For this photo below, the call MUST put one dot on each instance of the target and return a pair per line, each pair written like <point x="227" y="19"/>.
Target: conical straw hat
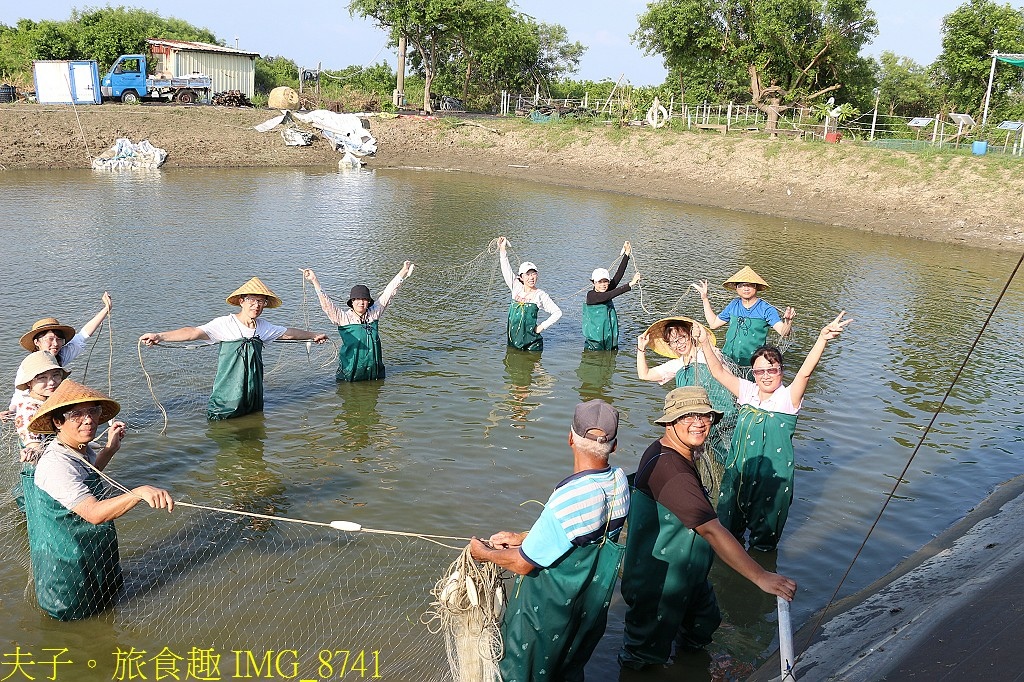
<point x="35" y="364"/>
<point x="71" y="393"/>
<point x="657" y="333"/>
<point x="745" y="275"/>
<point x="42" y="326"/>
<point x="257" y="288"/>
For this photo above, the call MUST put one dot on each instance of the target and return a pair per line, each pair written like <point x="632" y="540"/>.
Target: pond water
<point x="463" y="433"/>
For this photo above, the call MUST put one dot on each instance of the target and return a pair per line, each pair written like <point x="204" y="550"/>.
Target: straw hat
<point x="687" y="400"/>
<point x="67" y="394"/>
<point x="257" y="288"/>
<point x="35" y="364"/>
<point x="657" y="334"/>
<point x="745" y="275"/>
<point x="41" y="327"/>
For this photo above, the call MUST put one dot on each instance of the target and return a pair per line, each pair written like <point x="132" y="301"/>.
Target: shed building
<point x="228" y="68"/>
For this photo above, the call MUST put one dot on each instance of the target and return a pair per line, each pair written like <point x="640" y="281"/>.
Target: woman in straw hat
<point x="757" y="488"/>
<point x="523" y="330"/>
<point x="359" y="357"/>
<point x="748" y="316"/>
<point x="673" y="537"/>
<point x="238" y="386"/>
<point x="70" y="509"/>
<point x="38" y="377"/>
<point x="600" y="323"/>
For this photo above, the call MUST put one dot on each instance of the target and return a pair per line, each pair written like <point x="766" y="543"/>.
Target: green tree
<point x="904" y="87"/>
<point x="272" y="72"/>
<point x="785" y="50"/>
<point x="969" y="36"/>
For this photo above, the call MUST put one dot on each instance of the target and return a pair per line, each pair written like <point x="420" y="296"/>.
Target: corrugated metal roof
<point x="200" y="47"/>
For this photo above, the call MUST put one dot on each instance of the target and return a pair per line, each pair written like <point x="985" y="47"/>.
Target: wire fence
<point x="874" y="128"/>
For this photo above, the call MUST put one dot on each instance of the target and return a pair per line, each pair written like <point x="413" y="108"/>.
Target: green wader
<point x="757" y="488"/>
<point x="359" y="358"/>
<point x="600" y="326"/>
<point x="744" y="336"/>
<point x="557" y="615"/>
<point x="75" y="564"/>
<point x="665" y="585"/>
<point x="522" y="326"/>
<point x="238" y="388"/>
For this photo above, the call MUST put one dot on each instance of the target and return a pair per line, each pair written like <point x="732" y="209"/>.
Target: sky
<point x="322" y="32"/>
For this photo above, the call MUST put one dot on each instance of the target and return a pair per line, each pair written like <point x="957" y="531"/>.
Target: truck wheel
<point x="130" y="97"/>
<point x="186" y="97"/>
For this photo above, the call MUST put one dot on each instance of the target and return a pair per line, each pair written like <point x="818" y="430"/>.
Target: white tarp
<point x="343" y="131"/>
<point x="127" y="156"/>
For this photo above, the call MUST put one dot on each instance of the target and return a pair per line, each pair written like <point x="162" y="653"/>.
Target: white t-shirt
<point x="228" y="328"/>
<point x="667" y="371"/>
<point x="779" y="401"/>
<point x="61" y="473"/>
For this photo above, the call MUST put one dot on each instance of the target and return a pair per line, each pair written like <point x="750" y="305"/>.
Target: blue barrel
<point x="979" y="147"/>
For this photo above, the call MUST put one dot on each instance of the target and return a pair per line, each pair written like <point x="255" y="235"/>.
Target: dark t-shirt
<point x="671" y="479"/>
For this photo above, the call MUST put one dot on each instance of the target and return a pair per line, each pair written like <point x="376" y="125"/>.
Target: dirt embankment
<point x="964" y="199"/>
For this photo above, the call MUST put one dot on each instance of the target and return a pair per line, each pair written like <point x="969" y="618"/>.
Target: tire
<point x="130" y="97"/>
<point x="186" y="97"/>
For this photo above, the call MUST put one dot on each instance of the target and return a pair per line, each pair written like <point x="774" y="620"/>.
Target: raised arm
<point x="620" y="271"/>
<point x="642" y="370"/>
<point x="803" y="375"/>
<point x="183" y="334"/>
<point x="732" y="553"/>
<point x="715" y="366"/>
<point x="714" y="322"/>
<point x="333" y="311"/>
<point x="392" y="288"/>
<point x="90" y="327"/>
<point x="785" y="325"/>
<point x="506" y="269"/>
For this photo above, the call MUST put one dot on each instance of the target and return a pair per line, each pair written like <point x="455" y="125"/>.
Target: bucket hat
<point x="35" y="364"/>
<point x="526" y="266"/>
<point x="599" y="274"/>
<point x="596" y="415"/>
<point x="359" y="291"/>
<point x="686" y="400"/>
<point x="67" y="394"/>
<point x="745" y="275"/>
<point x="257" y="288"/>
<point x="657" y="334"/>
<point x="41" y="327"/>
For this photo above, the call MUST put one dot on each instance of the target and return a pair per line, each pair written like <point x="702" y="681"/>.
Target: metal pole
<point x="988" y="93"/>
<point x="398" y="98"/>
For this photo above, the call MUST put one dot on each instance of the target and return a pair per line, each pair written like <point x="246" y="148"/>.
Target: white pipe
<point x="785" y="641"/>
<point x="988" y="93"/>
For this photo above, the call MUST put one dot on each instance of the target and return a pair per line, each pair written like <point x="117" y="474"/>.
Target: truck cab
<point x="126" y="80"/>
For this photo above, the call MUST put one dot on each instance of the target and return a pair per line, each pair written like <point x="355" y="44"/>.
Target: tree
<point x="969" y="36"/>
<point x="904" y="86"/>
<point x="786" y="50"/>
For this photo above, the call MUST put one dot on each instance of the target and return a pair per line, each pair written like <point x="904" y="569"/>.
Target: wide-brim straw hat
<point x="35" y="364"/>
<point x="687" y="400"/>
<point x="254" y="287"/>
<point x="656" y="332"/>
<point x="67" y="394"/>
<point x="745" y="275"/>
<point x="41" y="327"/>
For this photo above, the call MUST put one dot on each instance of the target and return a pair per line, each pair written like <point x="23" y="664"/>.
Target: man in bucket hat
<point x="238" y="387"/>
<point x="748" y="316"/>
<point x="70" y="510"/>
<point x="567" y="563"/>
<point x="360" y="357"/>
<point x="672" y="532"/>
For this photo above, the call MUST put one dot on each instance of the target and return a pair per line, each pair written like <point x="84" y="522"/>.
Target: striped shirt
<point x="577" y="514"/>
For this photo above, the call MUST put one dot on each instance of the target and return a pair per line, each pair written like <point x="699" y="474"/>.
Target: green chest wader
<point x="522" y="326"/>
<point x="238" y="388"/>
<point x="75" y="564"/>
<point x="744" y="336"/>
<point x="664" y="584"/>
<point x="600" y="326"/>
<point x="757" y="488"/>
<point x="557" y="615"/>
<point x="359" y="358"/>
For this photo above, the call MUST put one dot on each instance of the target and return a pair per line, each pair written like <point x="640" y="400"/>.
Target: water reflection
<point x="595" y="374"/>
<point x="358" y="418"/>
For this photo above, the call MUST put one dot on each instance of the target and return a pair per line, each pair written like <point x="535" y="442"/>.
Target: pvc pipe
<point x="786" y="658"/>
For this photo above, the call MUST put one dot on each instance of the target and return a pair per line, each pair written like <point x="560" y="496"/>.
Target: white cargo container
<point x="66" y="82"/>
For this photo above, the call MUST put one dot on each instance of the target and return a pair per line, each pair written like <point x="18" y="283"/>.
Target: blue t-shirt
<point x="760" y="310"/>
<point x="577" y="514"/>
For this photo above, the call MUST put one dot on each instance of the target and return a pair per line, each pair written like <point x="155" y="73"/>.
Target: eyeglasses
<point x="746" y="284"/>
<point x="688" y="419"/>
<point x="255" y="301"/>
<point x="79" y="415"/>
<point x="772" y="371"/>
<point x="680" y="340"/>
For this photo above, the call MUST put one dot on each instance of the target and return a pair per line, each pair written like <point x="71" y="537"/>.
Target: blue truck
<point x="127" y="81"/>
